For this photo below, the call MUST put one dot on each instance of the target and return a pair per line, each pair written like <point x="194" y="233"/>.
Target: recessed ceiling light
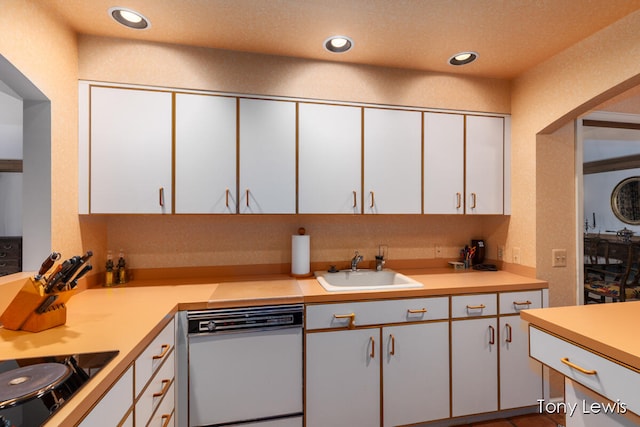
<point x="129" y="18"/>
<point x="463" y="58"/>
<point x="338" y="44"/>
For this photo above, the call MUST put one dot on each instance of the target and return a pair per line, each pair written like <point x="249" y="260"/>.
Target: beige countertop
<point x="126" y="318"/>
<point x="603" y="328"/>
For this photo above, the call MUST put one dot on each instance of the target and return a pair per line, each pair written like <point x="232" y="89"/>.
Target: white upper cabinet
<point x="443" y="163"/>
<point x="205" y="154"/>
<point x="330" y="159"/>
<point x="131" y="142"/>
<point x="267" y="156"/>
<point x="392" y="161"/>
<point x="485" y="165"/>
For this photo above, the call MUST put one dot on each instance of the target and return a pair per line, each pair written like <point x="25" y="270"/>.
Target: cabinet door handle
<point x="165" y="348"/>
<point x="508" y="338"/>
<point x="417" y="311"/>
<point x="165" y="419"/>
<point x="165" y="388"/>
<point x="473" y="200"/>
<point x="226" y="198"/>
<point x="161" y="196"/>
<point x="247" y="197"/>
<point x="373" y="348"/>
<point x="350" y="316"/>
<point x="459" y="200"/>
<point x="393" y="345"/>
<point x="492" y="335"/>
<point x="572" y="365"/>
<point x="373" y="199"/>
<point x="355" y="199"/>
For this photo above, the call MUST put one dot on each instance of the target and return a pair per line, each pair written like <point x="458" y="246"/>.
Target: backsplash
<point x="198" y="240"/>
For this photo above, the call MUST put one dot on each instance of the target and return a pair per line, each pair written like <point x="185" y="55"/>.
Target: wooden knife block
<point x="22" y="313"/>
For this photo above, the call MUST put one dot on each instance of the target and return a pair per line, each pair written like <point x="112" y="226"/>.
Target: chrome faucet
<point x="355" y="260"/>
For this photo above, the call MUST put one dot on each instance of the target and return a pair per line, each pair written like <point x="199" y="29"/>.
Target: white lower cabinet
<point x="415" y="382"/>
<point x="474" y="366"/>
<point x="343" y="378"/>
<point x="114" y="405"/>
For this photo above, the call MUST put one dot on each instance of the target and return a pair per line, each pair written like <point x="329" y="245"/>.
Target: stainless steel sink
<point x="361" y="280"/>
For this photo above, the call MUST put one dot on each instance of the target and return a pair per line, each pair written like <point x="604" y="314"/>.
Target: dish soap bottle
<point x="109" y="273"/>
<point x="122" y="270"/>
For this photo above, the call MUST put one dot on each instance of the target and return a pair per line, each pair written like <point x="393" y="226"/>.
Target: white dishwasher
<point x="245" y="366"/>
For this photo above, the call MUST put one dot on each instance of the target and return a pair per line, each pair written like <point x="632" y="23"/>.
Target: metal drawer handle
<point x="565" y="360"/>
<point x="166" y="418"/>
<point x="476" y="307"/>
<point x="3" y="254"/>
<point x="8" y="246"/>
<point x="165" y="388"/>
<point x="165" y="348"/>
<point x="417" y="311"/>
<point x="527" y="302"/>
<point x="350" y="316"/>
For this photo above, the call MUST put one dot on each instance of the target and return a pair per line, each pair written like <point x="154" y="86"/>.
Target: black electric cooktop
<point x="33" y="389"/>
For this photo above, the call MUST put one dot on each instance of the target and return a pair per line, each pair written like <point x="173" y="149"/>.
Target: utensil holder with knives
<point x="41" y="302"/>
<point x="34" y="311"/>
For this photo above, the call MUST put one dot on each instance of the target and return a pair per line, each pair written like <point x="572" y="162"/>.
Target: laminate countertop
<point x="127" y="318"/>
<point x="602" y="328"/>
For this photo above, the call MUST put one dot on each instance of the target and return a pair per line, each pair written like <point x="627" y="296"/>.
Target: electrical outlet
<point x="516" y="255"/>
<point x="500" y="252"/>
<point x="438" y="251"/>
<point x="558" y="257"/>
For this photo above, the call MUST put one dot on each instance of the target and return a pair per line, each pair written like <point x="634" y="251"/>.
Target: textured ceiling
<point x="510" y="36"/>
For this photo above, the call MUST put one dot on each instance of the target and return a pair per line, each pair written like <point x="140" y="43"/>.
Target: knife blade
<point x="79" y="261"/>
<point x="85" y="270"/>
<point x="47" y="264"/>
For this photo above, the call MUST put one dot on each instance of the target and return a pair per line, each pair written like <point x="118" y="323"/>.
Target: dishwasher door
<point x="246" y="376"/>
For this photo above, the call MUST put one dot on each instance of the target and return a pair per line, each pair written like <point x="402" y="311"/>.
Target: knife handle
<point x="48" y="263"/>
<point x="82" y="272"/>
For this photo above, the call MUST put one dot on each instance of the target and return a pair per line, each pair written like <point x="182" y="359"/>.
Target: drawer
<point x="165" y="415"/>
<point x="157" y="391"/>
<point x="605" y="377"/>
<point x="323" y="316"/>
<point x="474" y="305"/>
<point x="513" y="302"/>
<point x="153" y="356"/>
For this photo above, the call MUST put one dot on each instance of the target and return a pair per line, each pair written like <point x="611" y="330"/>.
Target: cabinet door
<point x="392" y="161"/>
<point x="343" y="378"/>
<point x="114" y="405"/>
<point x="520" y="376"/>
<point x="205" y="154"/>
<point x="267" y="156"/>
<point x="130" y="151"/>
<point x="443" y="163"/>
<point x="485" y="165"/>
<point x="474" y="366"/>
<point x="415" y="369"/>
<point x="330" y="159"/>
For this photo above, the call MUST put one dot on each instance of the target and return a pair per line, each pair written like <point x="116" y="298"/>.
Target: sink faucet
<point x="355" y="260"/>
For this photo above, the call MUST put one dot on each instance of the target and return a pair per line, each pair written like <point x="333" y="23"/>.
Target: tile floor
<point x="528" y="420"/>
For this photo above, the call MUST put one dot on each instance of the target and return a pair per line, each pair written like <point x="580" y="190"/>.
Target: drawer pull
<point x="373" y="348"/>
<point x="565" y="360"/>
<point x="350" y="316"/>
<point x="492" y="335"/>
<point x="3" y="254"/>
<point x="165" y="419"/>
<point x="417" y="311"/>
<point x="165" y="348"/>
<point x="165" y="387"/>
<point x="476" y="307"/>
<point x="517" y="303"/>
<point x="393" y="345"/>
<point x="508" y="338"/>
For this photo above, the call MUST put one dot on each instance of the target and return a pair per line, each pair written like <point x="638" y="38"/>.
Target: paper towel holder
<point x="303" y="266"/>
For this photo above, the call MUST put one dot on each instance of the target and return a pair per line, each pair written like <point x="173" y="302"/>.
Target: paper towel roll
<point x="300" y="255"/>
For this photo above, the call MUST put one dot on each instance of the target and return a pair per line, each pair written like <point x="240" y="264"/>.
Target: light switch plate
<point x="558" y="257"/>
